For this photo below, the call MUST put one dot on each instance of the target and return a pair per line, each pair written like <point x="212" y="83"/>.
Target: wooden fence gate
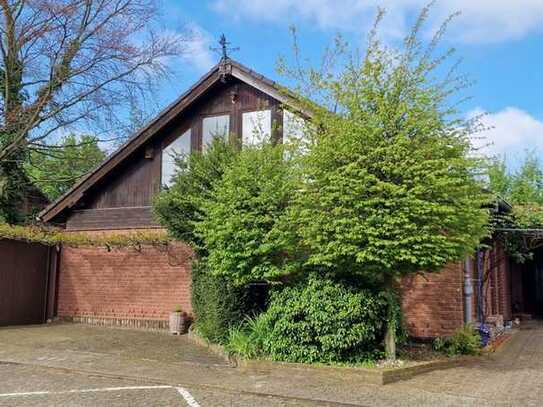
<point x="27" y="282"/>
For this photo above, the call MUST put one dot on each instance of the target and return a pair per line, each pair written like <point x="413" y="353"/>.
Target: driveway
<point x="77" y="365"/>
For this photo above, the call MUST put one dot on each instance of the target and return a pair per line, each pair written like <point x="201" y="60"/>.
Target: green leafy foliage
<point x="465" y="341"/>
<point x="391" y="186"/>
<point x="13" y="187"/>
<point x="55" y="170"/>
<point x="243" y="225"/>
<point x="248" y="339"/>
<point x="180" y="207"/>
<point x="218" y="304"/>
<point x="322" y="320"/>
<point x="523" y="189"/>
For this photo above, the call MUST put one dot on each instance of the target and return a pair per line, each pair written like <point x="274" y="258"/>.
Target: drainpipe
<point x="468" y="290"/>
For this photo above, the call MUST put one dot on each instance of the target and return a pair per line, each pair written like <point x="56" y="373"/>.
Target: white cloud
<point x="512" y="132"/>
<point x="482" y="21"/>
<point x="198" y="49"/>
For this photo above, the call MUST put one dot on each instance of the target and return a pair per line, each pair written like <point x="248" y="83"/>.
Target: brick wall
<point x="433" y="303"/>
<point x="124" y="284"/>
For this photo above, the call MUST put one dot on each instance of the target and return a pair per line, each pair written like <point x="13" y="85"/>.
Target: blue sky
<point x="501" y="42"/>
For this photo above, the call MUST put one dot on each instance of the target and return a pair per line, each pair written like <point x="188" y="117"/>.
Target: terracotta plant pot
<point x="177" y="323"/>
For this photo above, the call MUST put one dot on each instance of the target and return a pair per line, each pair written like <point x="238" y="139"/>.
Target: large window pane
<point x="180" y="147"/>
<point x="212" y="127"/>
<point x="256" y="127"/>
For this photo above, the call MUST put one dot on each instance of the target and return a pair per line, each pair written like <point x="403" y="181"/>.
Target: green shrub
<point x="179" y="207"/>
<point x="324" y="320"/>
<point x="248" y="339"/>
<point x="465" y="341"/>
<point x="243" y="228"/>
<point x="218" y="305"/>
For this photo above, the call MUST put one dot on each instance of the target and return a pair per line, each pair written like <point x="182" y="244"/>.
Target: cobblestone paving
<point x="58" y="358"/>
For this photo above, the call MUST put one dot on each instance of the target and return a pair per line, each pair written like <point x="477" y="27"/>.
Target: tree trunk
<point x="390" y="341"/>
<point x="390" y="336"/>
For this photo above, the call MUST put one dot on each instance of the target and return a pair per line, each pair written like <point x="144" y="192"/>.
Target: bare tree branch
<point x="76" y="62"/>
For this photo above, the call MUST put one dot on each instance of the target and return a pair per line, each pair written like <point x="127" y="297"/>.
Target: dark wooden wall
<point x="27" y="282"/>
<point x="123" y="200"/>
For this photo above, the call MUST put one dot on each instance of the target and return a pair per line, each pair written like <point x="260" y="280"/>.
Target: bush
<point x="179" y="207"/>
<point x="323" y="320"/>
<point x="243" y="227"/>
<point x="465" y="341"/>
<point x="218" y="305"/>
<point x="248" y="339"/>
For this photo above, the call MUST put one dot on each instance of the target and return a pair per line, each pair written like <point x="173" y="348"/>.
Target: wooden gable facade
<point x="119" y="193"/>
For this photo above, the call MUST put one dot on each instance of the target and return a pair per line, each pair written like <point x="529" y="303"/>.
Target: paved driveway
<point x="78" y="365"/>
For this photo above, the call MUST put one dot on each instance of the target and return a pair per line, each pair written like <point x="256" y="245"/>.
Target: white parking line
<point x="188" y="397"/>
<point x="41" y="393"/>
<point x="182" y="391"/>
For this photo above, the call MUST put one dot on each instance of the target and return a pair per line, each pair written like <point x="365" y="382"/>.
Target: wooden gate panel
<point x="24" y="274"/>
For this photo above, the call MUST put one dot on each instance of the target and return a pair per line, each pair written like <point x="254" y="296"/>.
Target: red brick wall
<point x="433" y="303"/>
<point x="504" y="285"/>
<point x="124" y="283"/>
<point x="497" y="284"/>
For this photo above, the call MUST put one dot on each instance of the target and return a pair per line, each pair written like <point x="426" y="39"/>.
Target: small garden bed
<point x="413" y="359"/>
<point x="378" y="373"/>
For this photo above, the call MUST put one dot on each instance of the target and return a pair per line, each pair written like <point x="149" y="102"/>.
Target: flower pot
<point x="177" y="323"/>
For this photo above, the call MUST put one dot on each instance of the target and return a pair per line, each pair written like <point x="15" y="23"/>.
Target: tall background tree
<point x="69" y="63"/>
<point x="56" y="170"/>
<point x="523" y="186"/>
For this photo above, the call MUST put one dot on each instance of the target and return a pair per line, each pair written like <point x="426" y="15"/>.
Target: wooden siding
<point x="111" y="218"/>
<point x="133" y="185"/>
<point x="124" y="198"/>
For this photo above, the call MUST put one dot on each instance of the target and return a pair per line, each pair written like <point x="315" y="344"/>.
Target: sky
<point x="500" y="42"/>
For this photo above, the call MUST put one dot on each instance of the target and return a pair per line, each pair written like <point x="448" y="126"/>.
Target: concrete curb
<point x="367" y="375"/>
<point x="212" y="347"/>
<point x="372" y="376"/>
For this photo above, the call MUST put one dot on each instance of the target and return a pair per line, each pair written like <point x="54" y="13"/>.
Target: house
<point x="139" y="288"/>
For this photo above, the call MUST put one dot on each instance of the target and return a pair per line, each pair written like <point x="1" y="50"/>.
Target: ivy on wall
<point x="52" y="237"/>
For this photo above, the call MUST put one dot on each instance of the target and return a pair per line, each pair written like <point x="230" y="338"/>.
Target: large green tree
<point x="391" y="187"/>
<point x="56" y="170"/>
<point x="244" y="224"/>
<point x="180" y="207"/>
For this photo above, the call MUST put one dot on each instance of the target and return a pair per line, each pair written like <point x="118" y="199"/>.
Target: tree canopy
<point x="522" y="186"/>
<point x="244" y="224"/>
<point x="391" y="184"/>
<point x="55" y="171"/>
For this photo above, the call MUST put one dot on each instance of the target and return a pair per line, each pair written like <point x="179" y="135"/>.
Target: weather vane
<point x="225" y="48"/>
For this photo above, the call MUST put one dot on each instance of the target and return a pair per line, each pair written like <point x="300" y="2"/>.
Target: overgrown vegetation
<point x="523" y="189"/>
<point x="245" y="226"/>
<point x="217" y="303"/>
<point x="392" y="185"/>
<point x="181" y="207"/>
<point x="52" y="237"/>
<point x="465" y="341"/>
<point x="317" y="319"/>
<point x="387" y="186"/>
